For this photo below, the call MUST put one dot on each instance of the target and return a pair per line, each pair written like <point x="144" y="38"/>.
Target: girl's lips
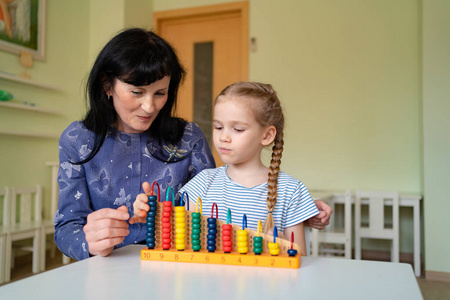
<point x="224" y="150"/>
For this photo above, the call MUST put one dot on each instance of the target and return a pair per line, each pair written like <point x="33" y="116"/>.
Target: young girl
<point x="247" y="118"/>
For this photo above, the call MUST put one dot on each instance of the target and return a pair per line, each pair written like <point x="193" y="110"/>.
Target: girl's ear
<point x="269" y="135"/>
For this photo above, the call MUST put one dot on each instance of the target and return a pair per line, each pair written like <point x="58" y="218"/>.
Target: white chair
<point x="25" y="223"/>
<point x="377" y="228"/>
<point x="4" y="229"/>
<point x="48" y="225"/>
<point x="340" y="238"/>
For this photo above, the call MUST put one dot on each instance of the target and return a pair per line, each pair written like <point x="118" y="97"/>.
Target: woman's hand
<point x="106" y="228"/>
<point x="323" y="218"/>
<point x="140" y="205"/>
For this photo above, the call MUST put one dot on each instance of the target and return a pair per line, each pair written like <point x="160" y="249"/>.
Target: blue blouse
<point x="115" y="175"/>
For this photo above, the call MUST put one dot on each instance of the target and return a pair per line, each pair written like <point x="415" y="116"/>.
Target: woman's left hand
<point x="323" y="218"/>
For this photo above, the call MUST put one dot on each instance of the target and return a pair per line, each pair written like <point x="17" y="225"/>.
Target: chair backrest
<point x="377" y="201"/>
<point x="26" y="204"/>
<point x="5" y="201"/>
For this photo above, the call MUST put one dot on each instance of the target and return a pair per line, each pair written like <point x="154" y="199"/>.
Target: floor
<point x="431" y="290"/>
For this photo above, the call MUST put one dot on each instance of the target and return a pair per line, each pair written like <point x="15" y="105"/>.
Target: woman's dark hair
<point x="137" y="57"/>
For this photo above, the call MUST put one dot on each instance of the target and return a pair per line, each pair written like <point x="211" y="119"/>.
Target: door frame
<point x="216" y="10"/>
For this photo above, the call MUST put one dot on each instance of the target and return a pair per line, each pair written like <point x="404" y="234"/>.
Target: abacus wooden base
<point x="220" y="258"/>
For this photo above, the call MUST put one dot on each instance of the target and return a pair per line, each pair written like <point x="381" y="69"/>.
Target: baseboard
<point x="437" y="276"/>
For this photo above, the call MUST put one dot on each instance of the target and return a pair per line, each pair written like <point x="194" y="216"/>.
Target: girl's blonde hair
<point x="267" y="111"/>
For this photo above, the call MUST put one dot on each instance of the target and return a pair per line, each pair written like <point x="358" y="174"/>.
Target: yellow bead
<point x="242" y="244"/>
<point x="179" y="224"/>
<point x="243" y="250"/>
<point x="180" y="246"/>
<point x="180" y="230"/>
<point x="180" y="240"/>
<point x="242" y="238"/>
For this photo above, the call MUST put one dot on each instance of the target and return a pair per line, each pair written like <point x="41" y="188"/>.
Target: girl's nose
<point x="224" y="137"/>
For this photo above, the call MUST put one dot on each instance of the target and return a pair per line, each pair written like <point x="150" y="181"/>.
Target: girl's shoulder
<point x="288" y="179"/>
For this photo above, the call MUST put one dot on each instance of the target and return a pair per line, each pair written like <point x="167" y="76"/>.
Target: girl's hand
<point x="323" y="218"/>
<point x="106" y="228"/>
<point x="140" y="205"/>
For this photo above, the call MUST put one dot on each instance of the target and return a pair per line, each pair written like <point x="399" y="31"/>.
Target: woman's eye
<point x="160" y="94"/>
<point x="136" y="92"/>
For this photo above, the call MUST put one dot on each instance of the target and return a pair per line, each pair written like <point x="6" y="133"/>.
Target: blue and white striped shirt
<point x="294" y="203"/>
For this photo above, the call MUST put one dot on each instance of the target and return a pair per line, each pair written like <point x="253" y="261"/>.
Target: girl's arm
<point x="299" y="236"/>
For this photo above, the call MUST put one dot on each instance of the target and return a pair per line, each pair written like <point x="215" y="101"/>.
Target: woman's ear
<point x="269" y="135"/>
<point x="107" y="87"/>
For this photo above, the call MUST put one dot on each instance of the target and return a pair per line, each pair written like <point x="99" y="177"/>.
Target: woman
<point x="129" y="136"/>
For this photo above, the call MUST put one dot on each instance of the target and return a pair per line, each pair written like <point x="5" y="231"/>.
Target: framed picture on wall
<point x="22" y="27"/>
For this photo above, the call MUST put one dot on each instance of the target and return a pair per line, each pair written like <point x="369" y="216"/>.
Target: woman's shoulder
<point x="192" y="131"/>
<point x="74" y="130"/>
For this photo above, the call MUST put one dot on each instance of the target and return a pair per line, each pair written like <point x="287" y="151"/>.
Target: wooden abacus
<point x="164" y="250"/>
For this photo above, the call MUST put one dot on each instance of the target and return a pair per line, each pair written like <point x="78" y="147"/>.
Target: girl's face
<point x="138" y="106"/>
<point x="237" y="136"/>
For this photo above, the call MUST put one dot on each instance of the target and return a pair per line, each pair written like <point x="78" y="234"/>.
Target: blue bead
<point x="211" y="242"/>
<point x="153" y="208"/>
<point x="151" y="245"/>
<point x="211" y="220"/>
<point x="211" y="236"/>
<point x="151" y="234"/>
<point x="150" y="240"/>
<point x="212" y="231"/>
<point x="151" y="219"/>
<point x="151" y="213"/>
<point x="211" y="248"/>
<point x="212" y="226"/>
<point x="292" y="252"/>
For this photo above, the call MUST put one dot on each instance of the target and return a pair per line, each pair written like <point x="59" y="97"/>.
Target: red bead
<point x="226" y="238"/>
<point x="166" y="235"/>
<point x="167" y="229"/>
<point x="166" y="225"/>
<point x="166" y="241"/>
<point x="226" y="243"/>
<point x="165" y="220"/>
<point x="167" y="203"/>
<point x="167" y="214"/>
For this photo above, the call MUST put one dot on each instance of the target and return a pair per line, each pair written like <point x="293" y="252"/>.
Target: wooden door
<point x="212" y="44"/>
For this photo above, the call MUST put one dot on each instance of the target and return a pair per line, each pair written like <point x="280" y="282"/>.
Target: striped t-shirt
<point x="294" y="203"/>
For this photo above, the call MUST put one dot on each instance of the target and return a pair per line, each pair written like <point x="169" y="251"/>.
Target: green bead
<point x="196" y="221"/>
<point x="195" y="236"/>
<point x="196" y="226"/>
<point x="257" y="238"/>
<point x="196" y="247"/>
<point x="196" y="231"/>
<point x="195" y="242"/>
<point x="195" y="215"/>
<point x="257" y="244"/>
<point x="257" y="250"/>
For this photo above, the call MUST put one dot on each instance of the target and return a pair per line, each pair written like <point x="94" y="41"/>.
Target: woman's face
<point x="138" y="106"/>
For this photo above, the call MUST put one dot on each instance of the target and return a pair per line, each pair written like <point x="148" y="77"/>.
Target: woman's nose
<point x="147" y="104"/>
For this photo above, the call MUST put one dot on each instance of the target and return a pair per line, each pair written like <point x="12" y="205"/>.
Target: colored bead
<point x="292" y="252"/>
<point x="257" y="244"/>
<point x="242" y="244"/>
<point x="274" y="249"/>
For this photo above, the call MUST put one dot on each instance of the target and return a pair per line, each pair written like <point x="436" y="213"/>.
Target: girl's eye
<point x="218" y="127"/>
<point x="239" y="129"/>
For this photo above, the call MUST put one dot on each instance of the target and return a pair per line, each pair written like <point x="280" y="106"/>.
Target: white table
<point x="404" y="201"/>
<point x="123" y="275"/>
